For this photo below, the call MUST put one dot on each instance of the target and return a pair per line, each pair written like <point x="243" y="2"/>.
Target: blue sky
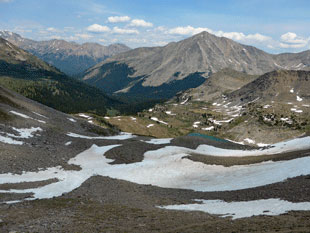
<point x="274" y="26"/>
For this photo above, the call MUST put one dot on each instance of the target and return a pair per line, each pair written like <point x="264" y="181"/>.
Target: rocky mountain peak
<point x="203" y="54"/>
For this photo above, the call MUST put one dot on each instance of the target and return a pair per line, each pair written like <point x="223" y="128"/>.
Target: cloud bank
<point x="140" y="23"/>
<point x="98" y="28"/>
<point x="291" y="40"/>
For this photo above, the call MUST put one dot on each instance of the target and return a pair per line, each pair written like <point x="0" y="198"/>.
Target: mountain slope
<point x="33" y="78"/>
<point x="218" y="84"/>
<point x="203" y="53"/>
<point x="279" y="86"/>
<point x="69" y="57"/>
<point x="33" y="135"/>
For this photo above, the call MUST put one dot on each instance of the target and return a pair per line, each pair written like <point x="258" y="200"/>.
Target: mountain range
<point x="69" y="57"/>
<point x="34" y="78"/>
<point x="164" y="71"/>
<point x="158" y="72"/>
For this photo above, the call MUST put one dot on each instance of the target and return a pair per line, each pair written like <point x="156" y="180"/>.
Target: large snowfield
<point x="167" y="167"/>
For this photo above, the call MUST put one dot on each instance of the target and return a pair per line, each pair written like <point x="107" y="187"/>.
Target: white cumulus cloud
<point x="291" y="40"/>
<point x="258" y="37"/>
<point x="118" y="30"/>
<point x="140" y="23"/>
<point x="98" y="28"/>
<point x="241" y="37"/>
<point x="238" y="36"/>
<point x="188" y="30"/>
<point x="118" y="19"/>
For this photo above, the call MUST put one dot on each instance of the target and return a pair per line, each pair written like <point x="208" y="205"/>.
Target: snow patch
<point x="170" y="113"/>
<point x="184" y="101"/>
<point x="279" y="66"/>
<point x="25" y="132"/>
<point x="20" y="114"/>
<point x="262" y="144"/>
<point x="26" y="117"/>
<point x="195" y="125"/>
<point x="296" y="144"/>
<point x="243" y="209"/>
<point x="159" y="141"/>
<point x="156" y="119"/>
<point x="248" y="140"/>
<point x="287" y="120"/>
<point x="38" y="114"/>
<point x="296" y="110"/>
<point x="299" y="65"/>
<point x="68" y="143"/>
<point x="121" y="136"/>
<point x="85" y="116"/>
<point x="208" y="128"/>
<point x="216" y="104"/>
<point x="9" y="140"/>
<point x="71" y="119"/>
<point x="220" y="122"/>
<point x="267" y="119"/>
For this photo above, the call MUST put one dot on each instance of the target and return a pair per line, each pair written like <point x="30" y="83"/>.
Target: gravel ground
<point x="103" y="204"/>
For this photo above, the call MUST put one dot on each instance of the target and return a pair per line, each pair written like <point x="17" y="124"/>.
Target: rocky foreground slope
<point x="58" y="174"/>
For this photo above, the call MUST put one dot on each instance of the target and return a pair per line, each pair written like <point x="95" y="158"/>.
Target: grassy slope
<point x="35" y="79"/>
